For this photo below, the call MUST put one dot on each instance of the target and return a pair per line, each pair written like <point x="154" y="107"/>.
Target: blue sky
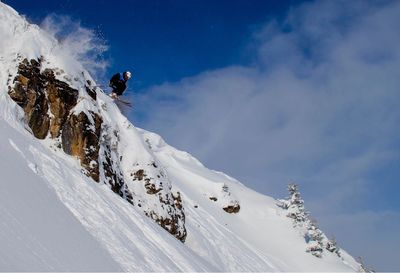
<point x="270" y="92"/>
<point x="165" y="40"/>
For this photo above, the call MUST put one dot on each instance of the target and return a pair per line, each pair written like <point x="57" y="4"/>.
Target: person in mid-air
<point x="118" y="83"/>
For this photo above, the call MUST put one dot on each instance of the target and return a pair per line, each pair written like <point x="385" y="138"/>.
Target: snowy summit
<point x="83" y="189"/>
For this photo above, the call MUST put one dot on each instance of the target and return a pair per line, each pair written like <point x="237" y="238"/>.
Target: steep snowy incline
<point x="143" y="205"/>
<point x="40" y="189"/>
<point x="260" y="225"/>
<point x="38" y="233"/>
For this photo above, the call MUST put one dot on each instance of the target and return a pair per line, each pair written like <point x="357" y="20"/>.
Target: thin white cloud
<point x="319" y="105"/>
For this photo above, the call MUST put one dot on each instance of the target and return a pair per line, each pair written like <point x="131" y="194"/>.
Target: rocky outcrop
<point x="169" y="214"/>
<point x="38" y="92"/>
<point x="29" y="93"/>
<point x="80" y="138"/>
<point x="47" y="103"/>
<point x="225" y="199"/>
<point x="49" y="106"/>
<point x="232" y="208"/>
<point x="110" y="163"/>
<point x="61" y="99"/>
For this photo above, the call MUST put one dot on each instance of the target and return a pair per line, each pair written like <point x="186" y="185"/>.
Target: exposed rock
<point x="232" y="208"/>
<point x="92" y="93"/>
<point x="110" y="163"/>
<point x="62" y="99"/>
<point x="19" y="92"/>
<point x="81" y="139"/>
<point x="113" y="178"/>
<point x="22" y="80"/>
<point x="231" y="204"/>
<point x="172" y="226"/>
<point x="174" y="223"/>
<point x="171" y="214"/>
<point x="151" y="188"/>
<point x="139" y="175"/>
<point x="28" y="92"/>
<point x="178" y="200"/>
<point x="213" y="198"/>
<point x="38" y="92"/>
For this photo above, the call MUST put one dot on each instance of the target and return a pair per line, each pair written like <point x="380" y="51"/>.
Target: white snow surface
<point x="54" y="218"/>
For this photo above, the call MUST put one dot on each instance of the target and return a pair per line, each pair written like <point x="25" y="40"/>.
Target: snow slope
<point x="53" y="217"/>
<point x="259" y="232"/>
<point x="38" y="232"/>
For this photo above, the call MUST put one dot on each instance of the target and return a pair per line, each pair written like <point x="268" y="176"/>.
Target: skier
<point x="118" y="84"/>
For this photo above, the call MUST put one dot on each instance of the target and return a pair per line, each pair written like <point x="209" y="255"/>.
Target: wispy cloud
<point x="319" y="105"/>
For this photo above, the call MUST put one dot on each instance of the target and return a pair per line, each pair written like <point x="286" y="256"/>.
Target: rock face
<point x="169" y="214"/>
<point x="29" y="93"/>
<point x="81" y="139"/>
<point x="232" y="208"/>
<point x="47" y="103"/>
<point x="49" y="106"/>
<point x="38" y="92"/>
<point x="61" y="100"/>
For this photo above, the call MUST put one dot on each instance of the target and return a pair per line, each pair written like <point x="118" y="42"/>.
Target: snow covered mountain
<point x="83" y="189"/>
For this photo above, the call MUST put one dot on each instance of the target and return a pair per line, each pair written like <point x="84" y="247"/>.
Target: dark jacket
<point x="118" y="84"/>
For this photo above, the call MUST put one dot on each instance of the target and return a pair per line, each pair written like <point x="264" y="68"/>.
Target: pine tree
<point x="314" y="237"/>
<point x="295" y="206"/>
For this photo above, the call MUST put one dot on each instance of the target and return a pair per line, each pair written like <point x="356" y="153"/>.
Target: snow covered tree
<point x="294" y="205"/>
<point x="316" y="249"/>
<point x="315" y="239"/>
<point x="314" y="233"/>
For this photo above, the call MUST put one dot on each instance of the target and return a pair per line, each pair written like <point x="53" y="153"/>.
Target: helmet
<point x="127" y="75"/>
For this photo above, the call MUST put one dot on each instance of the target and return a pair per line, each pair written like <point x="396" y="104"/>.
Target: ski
<point x="124" y="102"/>
<point x="127" y="103"/>
<point x="116" y="98"/>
